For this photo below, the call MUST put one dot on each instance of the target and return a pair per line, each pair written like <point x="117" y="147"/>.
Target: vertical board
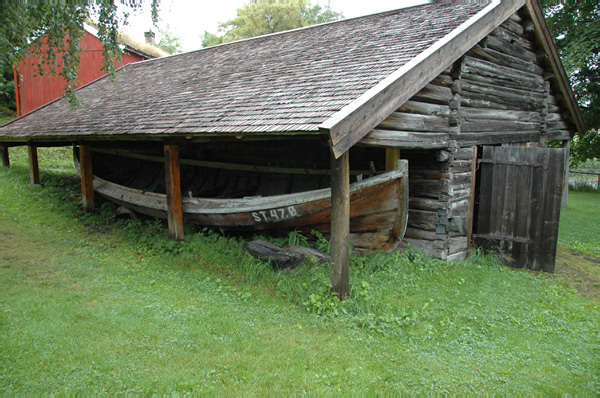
<point x="34" y="168"/>
<point x="340" y="224"/>
<point x="173" y="184"/>
<point x="4" y="155"/>
<point x="87" y="178"/>
<point x="520" y="200"/>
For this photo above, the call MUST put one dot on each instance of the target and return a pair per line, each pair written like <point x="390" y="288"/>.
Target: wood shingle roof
<point x="291" y="82"/>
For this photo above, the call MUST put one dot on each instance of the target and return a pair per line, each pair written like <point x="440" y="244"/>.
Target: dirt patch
<point x="579" y="272"/>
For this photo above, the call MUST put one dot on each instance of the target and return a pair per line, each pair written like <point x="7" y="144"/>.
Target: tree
<point x="261" y="19"/>
<point x="25" y="26"/>
<point x="576" y="29"/>
<point x="169" y="42"/>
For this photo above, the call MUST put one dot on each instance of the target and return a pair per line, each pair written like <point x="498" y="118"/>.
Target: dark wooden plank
<point x="471" y="209"/>
<point x="340" y="224"/>
<point x="87" y="178"/>
<point x="359" y="118"/>
<point x="34" y="168"/>
<point x="4" y="155"/>
<point x="522" y="216"/>
<point x="173" y="184"/>
<point x="551" y="214"/>
<point x="486" y="192"/>
<point x="539" y="179"/>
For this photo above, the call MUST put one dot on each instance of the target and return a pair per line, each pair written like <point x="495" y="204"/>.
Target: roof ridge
<point x="283" y="32"/>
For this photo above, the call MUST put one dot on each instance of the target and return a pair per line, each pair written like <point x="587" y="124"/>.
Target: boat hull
<point x="378" y="209"/>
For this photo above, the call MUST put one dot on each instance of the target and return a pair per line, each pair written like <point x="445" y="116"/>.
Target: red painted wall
<point x="35" y="91"/>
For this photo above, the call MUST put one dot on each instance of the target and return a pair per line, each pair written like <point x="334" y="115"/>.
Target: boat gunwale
<point x="243" y="205"/>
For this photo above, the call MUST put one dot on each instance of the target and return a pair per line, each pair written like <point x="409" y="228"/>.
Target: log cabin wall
<point x="501" y="92"/>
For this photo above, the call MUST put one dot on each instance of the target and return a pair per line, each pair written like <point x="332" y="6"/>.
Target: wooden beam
<point x="87" y="178"/>
<point x="4" y="155"/>
<point x="349" y="125"/>
<point x="173" y="184"/>
<point x="34" y="169"/>
<point x="340" y="224"/>
<point x="392" y="155"/>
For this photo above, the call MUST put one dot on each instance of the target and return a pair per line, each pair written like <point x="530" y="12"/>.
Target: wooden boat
<point x="235" y="199"/>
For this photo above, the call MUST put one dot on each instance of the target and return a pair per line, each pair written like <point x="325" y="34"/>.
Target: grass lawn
<point x="95" y="304"/>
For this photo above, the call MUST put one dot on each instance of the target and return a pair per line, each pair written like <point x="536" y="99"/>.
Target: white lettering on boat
<point x="274" y="215"/>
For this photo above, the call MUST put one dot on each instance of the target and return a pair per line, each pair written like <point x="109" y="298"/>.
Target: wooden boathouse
<point x="469" y="94"/>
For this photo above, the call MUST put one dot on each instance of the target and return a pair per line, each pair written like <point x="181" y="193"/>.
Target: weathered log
<point x="418" y="203"/>
<point x="500" y="114"/>
<point x="511" y="93"/>
<point x="425" y="108"/>
<point x="510" y="49"/>
<point x="558" y="135"/>
<point x="433" y="93"/>
<point x="405" y="139"/>
<point x="505" y="34"/>
<point x="490" y="69"/>
<point x="490" y="138"/>
<point x="414" y="122"/>
<point x="510" y="61"/>
<point x="483" y="125"/>
<point x="477" y="100"/>
<point x="277" y="257"/>
<point x="513" y="27"/>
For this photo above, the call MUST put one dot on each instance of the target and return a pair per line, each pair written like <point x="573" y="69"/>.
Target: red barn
<point x="33" y="91"/>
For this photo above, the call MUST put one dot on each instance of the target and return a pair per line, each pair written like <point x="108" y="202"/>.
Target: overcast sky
<point x="189" y="19"/>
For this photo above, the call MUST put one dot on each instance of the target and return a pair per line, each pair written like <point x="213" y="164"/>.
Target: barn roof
<point x="342" y="78"/>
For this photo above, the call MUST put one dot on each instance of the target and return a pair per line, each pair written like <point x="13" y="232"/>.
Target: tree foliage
<point x="169" y="42"/>
<point x="262" y="19"/>
<point x="576" y="29"/>
<point x="53" y="29"/>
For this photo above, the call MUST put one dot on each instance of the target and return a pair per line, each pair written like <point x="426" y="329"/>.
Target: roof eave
<point x="544" y="36"/>
<point x="357" y="119"/>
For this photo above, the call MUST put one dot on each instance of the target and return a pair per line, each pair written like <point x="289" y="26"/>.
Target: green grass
<point x="580" y="224"/>
<point x="94" y="304"/>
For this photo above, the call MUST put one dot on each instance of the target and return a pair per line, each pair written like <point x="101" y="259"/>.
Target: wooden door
<point x="520" y="195"/>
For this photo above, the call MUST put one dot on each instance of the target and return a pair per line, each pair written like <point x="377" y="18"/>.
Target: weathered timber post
<point x="472" y="190"/>
<point x="173" y="183"/>
<point x="566" y="144"/>
<point x="34" y="169"/>
<point x="87" y="178"/>
<point x="4" y="154"/>
<point x="392" y="155"/>
<point x="340" y="224"/>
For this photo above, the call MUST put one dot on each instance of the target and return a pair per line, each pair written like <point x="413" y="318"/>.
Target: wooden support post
<point x="471" y="211"/>
<point x="4" y="154"/>
<point x="87" y="178"/>
<point x="340" y="224"/>
<point x="34" y="169"/>
<point x="392" y="155"/>
<point x="173" y="183"/>
<point x="566" y="144"/>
